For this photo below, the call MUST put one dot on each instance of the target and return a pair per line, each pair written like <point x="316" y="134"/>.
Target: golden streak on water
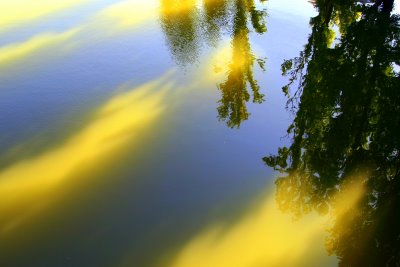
<point x="264" y="236"/>
<point x="13" y="52"/>
<point x="178" y="7"/>
<point x="130" y="12"/>
<point x="27" y="183"/>
<point x="15" y="12"/>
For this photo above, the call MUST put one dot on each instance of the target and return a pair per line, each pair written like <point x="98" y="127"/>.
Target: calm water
<point x="133" y="133"/>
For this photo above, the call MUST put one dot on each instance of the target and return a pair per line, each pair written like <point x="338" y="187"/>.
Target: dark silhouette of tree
<point x="347" y="124"/>
<point x="186" y="28"/>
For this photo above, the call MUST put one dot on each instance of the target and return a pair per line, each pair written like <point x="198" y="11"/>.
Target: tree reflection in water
<point x="232" y="106"/>
<point x="179" y="21"/>
<point x="347" y="118"/>
<point x="184" y="26"/>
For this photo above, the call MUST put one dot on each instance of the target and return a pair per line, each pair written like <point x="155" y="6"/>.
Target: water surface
<point x="133" y="134"/>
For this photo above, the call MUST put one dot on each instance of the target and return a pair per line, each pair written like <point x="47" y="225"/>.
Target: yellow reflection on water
<point x="26" y="183"/>
<point x="346" y="212"/>
<point x="12" y="52"/>
<point x="265" y="236"/>
<point x="176" y="7"/>
<point x="131" y="12"/>
<point x="123" y="15"/>
<point x="223" y="61"/>
<point x="218" y="64"/>
<point x="21" y="11"/>
<point x="229" y="58"/>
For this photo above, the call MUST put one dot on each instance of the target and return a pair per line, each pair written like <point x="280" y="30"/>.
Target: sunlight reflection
<point x="175" y="7"/>
<point x="130" y="12"/>
<point x="226" y="59"/>
<point x="14" y="12"/>
<point x="27" y="182"/>
<point x="17" y="51"/>
<point x="346" y="210"/>
<point x="264" y="236"/>
<point x="123" y="14"/>
<point x="220" y="63"/>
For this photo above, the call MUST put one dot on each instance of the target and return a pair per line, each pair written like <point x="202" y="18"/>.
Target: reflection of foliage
<point x="178" y="20"/>
<point x="339" y="12"/>
<point x="347" y="124"/>
<point x="215" y="17"/>
<point x="234" y="90"/>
